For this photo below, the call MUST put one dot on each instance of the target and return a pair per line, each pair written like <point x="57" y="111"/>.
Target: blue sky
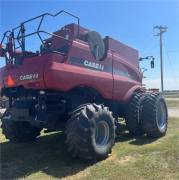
<point x="129" y="21"/>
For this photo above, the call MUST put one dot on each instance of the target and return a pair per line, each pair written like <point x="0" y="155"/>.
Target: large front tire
<point x="154" y="115"/>
<point x="18" y="131"/>
<point x="90" y="132"/>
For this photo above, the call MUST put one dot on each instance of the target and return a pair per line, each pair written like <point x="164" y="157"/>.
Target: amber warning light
<point x="10" y="81"/>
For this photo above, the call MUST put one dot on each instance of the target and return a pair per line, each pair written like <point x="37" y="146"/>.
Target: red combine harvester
<point x="77" y="82"/>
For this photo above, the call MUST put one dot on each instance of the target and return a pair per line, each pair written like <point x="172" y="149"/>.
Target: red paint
<point x="55" y="71"/>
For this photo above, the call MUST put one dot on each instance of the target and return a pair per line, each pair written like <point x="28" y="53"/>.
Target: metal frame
<point x="20" y="38"/>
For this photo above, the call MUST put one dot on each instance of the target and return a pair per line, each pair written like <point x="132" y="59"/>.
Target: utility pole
<point x="160" y="33"/>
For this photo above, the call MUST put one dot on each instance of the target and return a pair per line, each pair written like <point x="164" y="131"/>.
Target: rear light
<point x="10" y="81"/>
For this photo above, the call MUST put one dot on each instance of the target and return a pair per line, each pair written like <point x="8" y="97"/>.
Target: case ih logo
<point x="86" y="63"/>
<point x="29" y="77"/>
<point x="93" y="65"/>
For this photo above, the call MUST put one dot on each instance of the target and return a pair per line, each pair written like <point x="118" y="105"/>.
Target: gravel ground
<point x="172" y="99"/>
<point x="173" y="112"/>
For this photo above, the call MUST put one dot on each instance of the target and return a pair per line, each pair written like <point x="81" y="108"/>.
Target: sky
<point x="129" y="21"/>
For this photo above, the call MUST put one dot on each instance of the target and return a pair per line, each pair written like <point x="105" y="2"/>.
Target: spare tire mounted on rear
<point x="96" y="44"/>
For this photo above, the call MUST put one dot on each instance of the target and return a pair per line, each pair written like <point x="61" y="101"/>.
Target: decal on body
<point x="29" y="77"/>
<point x="86" y="63"/>
<point x="93" y="65"/>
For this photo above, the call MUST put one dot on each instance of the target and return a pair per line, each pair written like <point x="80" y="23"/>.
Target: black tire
<point x="154" y="115"/>
<point x="18" y="131"/>
<point x="83" y="140"/>
<point x="133" y="115"/>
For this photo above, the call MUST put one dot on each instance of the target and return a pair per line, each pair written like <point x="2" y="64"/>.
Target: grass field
<point x="132" y="158"/>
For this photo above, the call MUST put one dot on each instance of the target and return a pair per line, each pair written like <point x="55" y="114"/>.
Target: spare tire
<point x="96" y="44"/>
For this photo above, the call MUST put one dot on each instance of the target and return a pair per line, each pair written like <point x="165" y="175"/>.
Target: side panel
<point x="128" y="53"/>
<point x="80" y="69"/>
<point x="29" y="74"/>
<point x="127" y="79"/>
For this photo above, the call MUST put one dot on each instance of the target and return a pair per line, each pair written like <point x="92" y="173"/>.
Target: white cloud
<point x="169" y="83"/>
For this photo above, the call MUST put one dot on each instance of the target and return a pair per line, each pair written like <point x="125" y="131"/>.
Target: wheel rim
<point x="161" y="115"/>
<point x="102" y="134"/>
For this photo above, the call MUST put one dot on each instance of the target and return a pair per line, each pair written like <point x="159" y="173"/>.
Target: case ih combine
<point x="77" y="82"/>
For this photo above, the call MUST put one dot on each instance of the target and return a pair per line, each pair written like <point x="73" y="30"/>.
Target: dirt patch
<point x="125" y="159"/>
<point x="129" y="158"/>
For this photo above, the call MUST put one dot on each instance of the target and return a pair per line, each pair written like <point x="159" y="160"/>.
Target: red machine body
<point x="115" y="77"/>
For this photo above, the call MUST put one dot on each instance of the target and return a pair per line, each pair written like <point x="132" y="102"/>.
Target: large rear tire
<point x="18" y="131"/>
<point x="154" y="115"/>
<point x="90" y="132"/>
<point x="133" y="115"/>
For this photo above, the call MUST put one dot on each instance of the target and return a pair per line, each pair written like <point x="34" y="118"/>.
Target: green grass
<point x="132" y="158"/>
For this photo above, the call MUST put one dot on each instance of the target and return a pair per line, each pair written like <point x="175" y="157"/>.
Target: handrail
<point x="5" y="35"/>
<point x="20" y="37"/>
<point x="52" y="15"/>
<point x="45" y="32"/>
